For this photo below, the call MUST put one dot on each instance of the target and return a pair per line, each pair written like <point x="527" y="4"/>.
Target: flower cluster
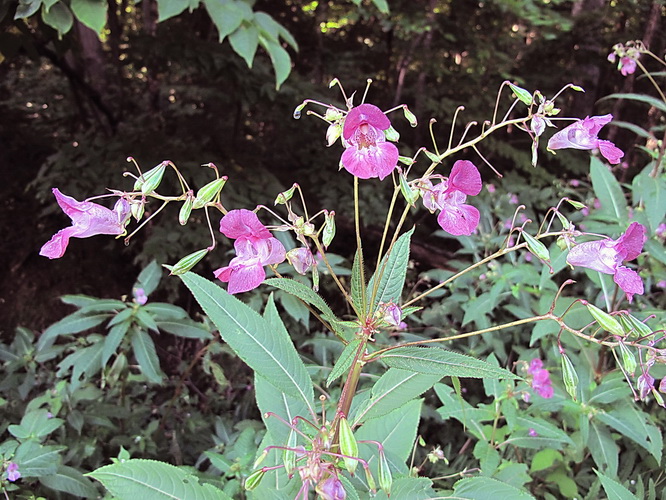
<point x="367" y="153"/>
<point x="540" y="379"/>
<point x="13" y="473"/>
<point x="88" y="219"/>
<point x="626" y="56"/>
<point x="255" y="248"/>
<point x="607" y="256"/>
<point x="582" y="134"/>
<point x="449" y="196"/>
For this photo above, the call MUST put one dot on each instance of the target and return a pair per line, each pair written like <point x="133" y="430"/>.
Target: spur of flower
<point x="367" y="153"/>
<point x="255" y="248"/>
<point x="582" y="134"/>
<point x="450" y="195"/>
<point x="607" y="256"/>
<point x="88" y="219"/>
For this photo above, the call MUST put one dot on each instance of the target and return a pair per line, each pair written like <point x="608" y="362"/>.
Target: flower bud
<point x="410" y="195"/>
<point x="333" y="133"/>
<point x="302" y="259"/>
<point x="188" y="262"/>
<point x="372" y="486"/>
<point x="331" y="489"/>
<point x="348" y="445"/>
<point x="570" y="376"/>
<point x="536" y="247"/>
<point x="522" y="94"/>
<point x="150" y="181"/>
<point x="299" y="109"/>
<point x="411" y="117"/>
<point x="185" y="210"/>
<point x="253" y="480"/>
<point x="207" y="193"/>
<point x="333" y="114"/>
<point x="137" y="209"/>
<point x="260" y="459"/>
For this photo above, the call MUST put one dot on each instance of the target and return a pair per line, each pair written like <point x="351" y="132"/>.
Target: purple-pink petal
<point x="629" y="281"/>
<point x="367" y="162"/>
<point x="458" y="218"/>
<point x="630" y="244"/>
<point x="364" y="114"/>
<point x="610" y="151"/>
<point x="243" y="223"/>
<point x="465" y="177"/>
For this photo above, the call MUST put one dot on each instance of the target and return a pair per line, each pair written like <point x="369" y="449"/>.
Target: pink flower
<point x="367" y="154"/>
<point x="627" y="66"/>
<point x="13" y="472"/>
<point x="532" y="432"/>
<point x="331" y="489"/>
<point x="255" y="248"/>
<point x="582" y="134"/>
<point x="393" y="314"/>
<point x="449" y="196"/>
<point x="540" y="379"/>
<point x="607" y="256"/>
<point x="645" y="385"/>
<point x="88" y="219"/>
<point x="302" y="259"/>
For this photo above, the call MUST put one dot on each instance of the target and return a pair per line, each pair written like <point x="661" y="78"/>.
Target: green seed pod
<point x="411" y="195"/>
<point x="411" y="117"/>
<point x="185" y="211"/>
<point x="150" y="181"/>
<point x="372" y="486"/>
<point x="570" y="376"/>
<point x="207" y="193"/>
<point x="188" y="262"/>
<point x="392" y="134"/>
<point x="253" y="480"/>
<point x="329" y="228"/>
<point x="628" y="359"/>
<point x="605" y="320"/>
<point x="348" y="445"/>
<point x="260" y="459"/>
<point x="385" y="477"/>
<point x="536" y="247"/>
<point x="522" y="94"/>
<point x="285" y="196"/>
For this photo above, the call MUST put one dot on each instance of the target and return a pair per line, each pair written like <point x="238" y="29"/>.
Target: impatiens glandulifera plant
<point x="346" y="444"/>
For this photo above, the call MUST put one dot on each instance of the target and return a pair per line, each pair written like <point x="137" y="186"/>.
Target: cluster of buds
<point x="626" y="55"/>
<point x="320" y="463"/>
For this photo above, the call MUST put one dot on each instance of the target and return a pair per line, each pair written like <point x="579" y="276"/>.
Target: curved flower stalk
<point x="88" y="219"/>
<point x="607" y="256"/>
<point x="582" y="134"/>
<point x="255" y="248"/>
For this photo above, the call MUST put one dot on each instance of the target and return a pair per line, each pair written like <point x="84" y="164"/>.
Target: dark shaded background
<point x="73" y="109"/>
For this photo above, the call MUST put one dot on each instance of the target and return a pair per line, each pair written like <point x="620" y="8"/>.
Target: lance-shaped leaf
<point x="436" y="361"/>
<point x="392" y="272"/>
<point x="264" y="346"/>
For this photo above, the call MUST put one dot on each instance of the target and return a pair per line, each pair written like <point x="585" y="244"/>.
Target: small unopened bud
<point x="522" y="94"/>
<point x="410" y="195"/>
<point x="332" y="114"/>
<point x="188" y="262"/>
<point x="254" y="479"/>
<point x="302" y="259"/>
<point x="207" y="193"/>
<point x="536" y="247"/>
<point x="137" y="209"/>
<point x="570" y="376"/>
<point x="372" y="486"/>
<point x="348" y="445"/>
<point x="331" y="489"/>
<point x="260" y="459"/>
<point x="333" y="133"/>
<point x="628" y="359"/>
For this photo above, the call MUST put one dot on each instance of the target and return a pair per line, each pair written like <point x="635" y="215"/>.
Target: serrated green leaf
<point x="392" y="273"/>
<point x="436" y="361"/>
<point x="71" y="481"/>
<point x="651" y="193"/>
<point x="138" y="478"/>
<point x="92" y="13"/>
<point x="146" y="355"/>
<point x="74" y="323"/>
<point x="486" y="488"/>
<point x="344" y="362"/>
<point x="253" y="338"/>
<point x="185" y="328"/>
<point x="357" y="284"/>
<point x="613" y="489"/>
<point x="112" y="341"/>
<point x="608" y="190"/>
<point x="245" y="41"/>
<point x="634" y="424"/>
<point x="35" y="460"/>
<point x="35" y="424"/>
<point x="392" y="390"/>
<point x="603" y="448"/>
